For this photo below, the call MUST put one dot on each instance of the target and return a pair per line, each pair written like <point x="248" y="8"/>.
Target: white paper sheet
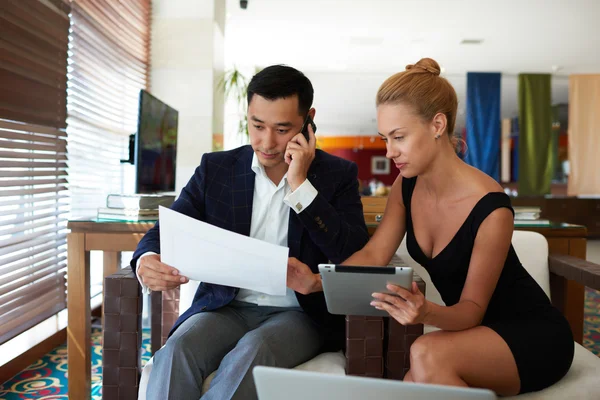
<point x="203" y="252"/>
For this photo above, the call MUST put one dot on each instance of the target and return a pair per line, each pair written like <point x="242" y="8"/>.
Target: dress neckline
<point x="467" y="219"/>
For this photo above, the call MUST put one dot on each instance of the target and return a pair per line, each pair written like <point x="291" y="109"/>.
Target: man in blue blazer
<point x="279" y="189"/>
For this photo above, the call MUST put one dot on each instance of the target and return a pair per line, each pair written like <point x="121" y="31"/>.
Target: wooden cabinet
<point x="373" y="208"/>
<point x="572" y="210"/>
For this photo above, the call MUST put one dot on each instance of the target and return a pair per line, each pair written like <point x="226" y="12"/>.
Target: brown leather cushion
<point x="379" y="347"/>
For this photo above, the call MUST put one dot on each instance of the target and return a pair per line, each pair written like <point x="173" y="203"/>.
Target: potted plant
<point x="234" y="84"/>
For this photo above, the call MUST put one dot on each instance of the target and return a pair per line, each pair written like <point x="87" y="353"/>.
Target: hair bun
<point x="425" y="65"/>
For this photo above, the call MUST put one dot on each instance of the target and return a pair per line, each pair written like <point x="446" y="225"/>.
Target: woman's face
<point x="410" y="141"/>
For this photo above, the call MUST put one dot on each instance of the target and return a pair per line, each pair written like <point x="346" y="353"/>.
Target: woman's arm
<point x="381" y="247"/>
<point x="487" y="260"/>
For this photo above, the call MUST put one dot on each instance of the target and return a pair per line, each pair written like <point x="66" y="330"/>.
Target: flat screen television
<point x="155" y="146"/>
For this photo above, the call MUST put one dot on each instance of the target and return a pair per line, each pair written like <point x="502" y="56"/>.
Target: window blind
<point x="33" y="161"/>
<point x="108" y="65"/>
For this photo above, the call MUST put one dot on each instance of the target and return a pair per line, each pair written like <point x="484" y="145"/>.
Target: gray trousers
<point x="231" y="340"/>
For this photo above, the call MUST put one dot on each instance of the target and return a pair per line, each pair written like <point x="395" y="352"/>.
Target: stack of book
<point x="134" y="207"/>
<point x="529" y="216"/>
<point x="527" y="213"/>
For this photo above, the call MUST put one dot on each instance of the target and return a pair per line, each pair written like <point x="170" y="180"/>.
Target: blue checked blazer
<point x="331" y="228"/>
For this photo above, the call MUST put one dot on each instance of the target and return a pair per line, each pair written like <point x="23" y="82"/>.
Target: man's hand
<point x="299" y="154"/>
<point x="158" y="276"/>
<point x="301" y="279"/>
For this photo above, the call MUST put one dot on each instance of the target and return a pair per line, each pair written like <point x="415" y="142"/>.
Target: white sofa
<point x="582" y="381"/>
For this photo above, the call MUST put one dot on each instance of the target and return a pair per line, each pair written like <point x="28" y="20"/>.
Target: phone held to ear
<point x="308" y="120"/>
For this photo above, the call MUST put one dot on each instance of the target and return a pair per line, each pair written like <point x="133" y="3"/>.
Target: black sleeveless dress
<point x="537" y="334"/>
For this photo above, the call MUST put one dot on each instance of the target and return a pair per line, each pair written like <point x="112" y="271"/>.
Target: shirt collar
<point x="259" y="169"/>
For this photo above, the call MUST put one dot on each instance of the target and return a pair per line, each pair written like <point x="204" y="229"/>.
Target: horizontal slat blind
<point x="41" y="300"/>
<point x="34" y="201"/>
<point x="108" y="65"/>
<point x="34" y="204"/>
<point x="33" y="61"/>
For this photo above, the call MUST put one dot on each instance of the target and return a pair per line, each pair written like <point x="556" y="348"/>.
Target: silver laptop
<point x="348" y="289"/>
<point x="288" y="384"/>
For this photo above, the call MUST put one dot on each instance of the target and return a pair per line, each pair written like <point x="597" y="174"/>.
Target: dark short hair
<point x="279" y="82"/>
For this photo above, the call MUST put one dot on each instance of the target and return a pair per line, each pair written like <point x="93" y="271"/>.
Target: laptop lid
<point x="278" y="383"/>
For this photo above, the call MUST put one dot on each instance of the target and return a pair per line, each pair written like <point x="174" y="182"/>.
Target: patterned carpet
<point x="47" y="380"/>
<point x="591" y="325"/>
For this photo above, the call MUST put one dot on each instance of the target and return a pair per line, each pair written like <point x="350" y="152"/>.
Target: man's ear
<point x="312" y="113"/>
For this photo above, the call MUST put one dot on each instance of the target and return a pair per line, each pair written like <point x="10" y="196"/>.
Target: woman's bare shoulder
<point x="396" y="191"/>
<point x="482" y="183"/>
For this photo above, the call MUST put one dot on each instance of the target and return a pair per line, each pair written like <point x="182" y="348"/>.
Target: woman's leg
<point x="476" y="357"/>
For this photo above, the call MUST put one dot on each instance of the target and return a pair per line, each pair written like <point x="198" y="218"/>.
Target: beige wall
<point x="187" y="58"/>
<point x="584" y="135"/>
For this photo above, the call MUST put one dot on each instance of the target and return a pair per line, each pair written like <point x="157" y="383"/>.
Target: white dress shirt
<point x="270" y="220"/>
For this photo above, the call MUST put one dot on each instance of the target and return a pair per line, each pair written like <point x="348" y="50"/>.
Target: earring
<point x="437" y="137"/>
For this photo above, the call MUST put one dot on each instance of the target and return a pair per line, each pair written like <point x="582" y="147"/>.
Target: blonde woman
<point x="498" y="328"/>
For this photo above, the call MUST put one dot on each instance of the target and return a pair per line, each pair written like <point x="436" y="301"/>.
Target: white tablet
<point x="348" y="289"/>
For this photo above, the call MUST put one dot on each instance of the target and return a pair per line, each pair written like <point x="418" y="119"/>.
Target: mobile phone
<point x="304" y="130"/>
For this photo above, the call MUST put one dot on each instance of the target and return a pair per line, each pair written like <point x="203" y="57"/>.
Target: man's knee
<point x="177" y="344"/>
<point x="255" y="345"/>
<point x="185" y="351"/>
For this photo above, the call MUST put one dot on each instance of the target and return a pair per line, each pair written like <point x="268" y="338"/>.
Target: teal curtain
<point x="536" y="155"/>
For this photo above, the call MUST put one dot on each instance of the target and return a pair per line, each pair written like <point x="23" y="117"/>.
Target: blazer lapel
<point x="242" y="192"/>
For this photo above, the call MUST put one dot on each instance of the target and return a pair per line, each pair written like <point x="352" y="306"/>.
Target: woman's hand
<point x="406" y="307"/>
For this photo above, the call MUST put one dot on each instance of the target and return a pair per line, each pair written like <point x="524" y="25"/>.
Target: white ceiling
<point x="375" y="38"/>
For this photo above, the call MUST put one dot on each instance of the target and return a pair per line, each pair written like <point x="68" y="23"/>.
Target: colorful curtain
<point x="584" y="135"/>
<point x="483" y="122"/>
<point x="535" y="135"/>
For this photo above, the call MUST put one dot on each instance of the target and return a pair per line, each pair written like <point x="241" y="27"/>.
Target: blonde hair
<point x="422" y="87"/>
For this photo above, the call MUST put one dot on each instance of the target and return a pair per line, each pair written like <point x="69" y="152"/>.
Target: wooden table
<point x="111" y="237"/>
<point x="562" y="238"/>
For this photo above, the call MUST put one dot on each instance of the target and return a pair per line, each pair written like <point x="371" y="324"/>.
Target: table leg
<point x="569" y="296"/>
<point x="575" y="292"/>
<point x="78" y="328"/>
<point x="112" y="262"/>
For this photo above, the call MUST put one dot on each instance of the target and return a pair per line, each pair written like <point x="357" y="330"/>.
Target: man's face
<point x="271" y="125"/>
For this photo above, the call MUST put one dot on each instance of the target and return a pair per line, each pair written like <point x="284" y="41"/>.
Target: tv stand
<point x="131" y="159"/>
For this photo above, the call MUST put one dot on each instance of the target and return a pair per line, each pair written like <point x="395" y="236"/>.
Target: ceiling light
<point x="471" y="41"/>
